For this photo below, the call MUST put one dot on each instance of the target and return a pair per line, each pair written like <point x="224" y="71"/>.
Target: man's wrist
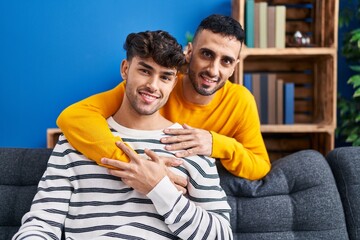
<point x="164" y="195"/>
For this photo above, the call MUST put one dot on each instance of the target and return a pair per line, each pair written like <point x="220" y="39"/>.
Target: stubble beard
<point x="200" y="89"/>
<point x="141" y="108"/>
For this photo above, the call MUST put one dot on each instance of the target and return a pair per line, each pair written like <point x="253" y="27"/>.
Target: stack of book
<point x="265" y="25"/>
<point x="274" y="97"/>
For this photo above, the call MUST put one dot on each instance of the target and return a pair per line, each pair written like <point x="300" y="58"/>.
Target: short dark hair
<point x="159" y="45"/>
<point x="224" y="25"/>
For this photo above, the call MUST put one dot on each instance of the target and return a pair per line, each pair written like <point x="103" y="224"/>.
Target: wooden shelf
<point x="286" y="52"/>
<point x="297" y="128"/>
<point x="313" y="70"/>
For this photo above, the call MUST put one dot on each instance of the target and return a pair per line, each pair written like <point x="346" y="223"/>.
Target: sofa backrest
<point x="20" y="173"/>
<point x="298" y="199"/>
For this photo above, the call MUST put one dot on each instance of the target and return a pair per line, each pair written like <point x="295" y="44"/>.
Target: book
<point x="271" y="100"/>
<point x="256" y="91"/>
<point x="264" y="98"/>
<point x="279" y="101"/>
<point x="249" y="23"/>
<point x="271" y="26"/>
<point x="289" y="102"/>
<point x="280" y="26"/>
<point x="256" y="25"/>
<point x="248" y="81"/>
<point x="263" y="24"/>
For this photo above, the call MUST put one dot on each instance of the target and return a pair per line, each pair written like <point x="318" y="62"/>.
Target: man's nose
<point x="214" y="68"/>
<point x="153" y="82"/>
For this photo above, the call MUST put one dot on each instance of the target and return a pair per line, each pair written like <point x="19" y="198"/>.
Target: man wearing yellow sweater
<point x="220" y="118"/>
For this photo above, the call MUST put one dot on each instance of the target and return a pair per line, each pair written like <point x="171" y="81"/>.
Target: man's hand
<point x="193" y="141"/>
<point x="143" y="174"/>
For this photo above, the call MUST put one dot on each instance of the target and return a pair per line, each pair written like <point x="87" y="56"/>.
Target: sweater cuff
<point x="223" y="147"/>
<point x="164" y="195"/>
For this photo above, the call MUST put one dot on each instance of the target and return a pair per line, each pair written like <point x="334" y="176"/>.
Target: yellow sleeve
<point x="84" y="125"/>
<point x="244" y="154"/>
<point x="239" y="160"/>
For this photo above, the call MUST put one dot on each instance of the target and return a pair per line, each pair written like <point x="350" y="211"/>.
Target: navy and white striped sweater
<point x="77" y="195"/>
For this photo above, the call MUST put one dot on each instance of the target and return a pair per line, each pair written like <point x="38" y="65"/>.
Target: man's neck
<point x="127" y="117"/>
<point x="191" y="95"/>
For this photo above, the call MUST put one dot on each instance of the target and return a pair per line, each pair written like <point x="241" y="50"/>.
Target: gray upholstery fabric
<point x="298" y="199"/>
<point x="345" y="164"/>
<point x="20" y="172"/>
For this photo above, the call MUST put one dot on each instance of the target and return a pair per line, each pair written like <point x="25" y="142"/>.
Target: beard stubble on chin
<point x="203" y="89"/>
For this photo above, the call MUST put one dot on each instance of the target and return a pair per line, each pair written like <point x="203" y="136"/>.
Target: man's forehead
<point x="217" y="43"/>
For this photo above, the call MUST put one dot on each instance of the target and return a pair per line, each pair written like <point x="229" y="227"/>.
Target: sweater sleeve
<point x="204" y="214"/>
<point x="244" y="154"/>
<point x="84" y="125"/>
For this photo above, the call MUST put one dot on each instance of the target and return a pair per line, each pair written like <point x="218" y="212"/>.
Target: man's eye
<point x="206" y="54"/>
<point x="166" y="78"/>
<point x="228" y="61"/>
<point x="145" y="71"/>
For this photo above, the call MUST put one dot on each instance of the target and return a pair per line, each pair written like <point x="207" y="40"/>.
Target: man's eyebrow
<point x="206" y="49"/>
<point x="212" y="52"/>
<point x="145" y="65"/>
<point x="170" y="73"/>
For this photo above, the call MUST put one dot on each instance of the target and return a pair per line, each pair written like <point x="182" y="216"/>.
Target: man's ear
<point x="235" y="65"/>
<point x="188" y="52"/>
<point x="124" y="69"/>
<point x="175" y="82"/>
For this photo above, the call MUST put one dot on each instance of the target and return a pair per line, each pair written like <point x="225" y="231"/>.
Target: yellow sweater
<point x="231" y="117"/>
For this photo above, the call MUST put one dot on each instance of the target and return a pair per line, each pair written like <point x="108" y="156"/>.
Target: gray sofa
<point x="305" y="196"/>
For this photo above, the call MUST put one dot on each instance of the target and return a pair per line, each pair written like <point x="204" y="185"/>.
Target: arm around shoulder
<point x="243" y="153"/>
<point x="84" y="125"/>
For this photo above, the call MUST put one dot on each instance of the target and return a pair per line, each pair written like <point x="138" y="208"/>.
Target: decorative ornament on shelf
<point x="300" y="40"/>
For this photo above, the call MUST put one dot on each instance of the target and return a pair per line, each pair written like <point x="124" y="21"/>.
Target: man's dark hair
<point x="159" y="45"/>
<point x="223" y="25"/>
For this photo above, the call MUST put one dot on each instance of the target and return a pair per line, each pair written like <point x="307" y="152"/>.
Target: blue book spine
<point x="249" y="23"/>
<point x="289" y="102"/>
<point x="264" y="98"/>
<point x="248" y="81"/>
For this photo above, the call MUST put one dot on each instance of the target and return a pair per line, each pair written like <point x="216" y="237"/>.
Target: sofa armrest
<point x="345" y="164"/>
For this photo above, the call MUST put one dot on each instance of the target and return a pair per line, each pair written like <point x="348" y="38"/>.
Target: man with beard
<point x="220" y="119"/>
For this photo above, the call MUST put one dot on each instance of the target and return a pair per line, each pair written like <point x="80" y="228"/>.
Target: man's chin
<point x="205" y="92"/>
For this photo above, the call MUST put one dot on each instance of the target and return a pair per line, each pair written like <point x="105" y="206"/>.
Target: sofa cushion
<point x="298" y="199"/>
<point x="20" y="171"/>
<point x="345" y="164"/>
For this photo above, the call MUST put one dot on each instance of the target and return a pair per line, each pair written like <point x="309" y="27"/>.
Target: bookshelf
<point x="313" y="70"/>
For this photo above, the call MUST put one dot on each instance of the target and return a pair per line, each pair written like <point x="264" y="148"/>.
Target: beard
<point x="141" y="108"/>
<point x="201" y="89"/>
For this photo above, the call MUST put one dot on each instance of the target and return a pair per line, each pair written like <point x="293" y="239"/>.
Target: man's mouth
<point x="208" y="79"/>
<point x="148" y="97"/>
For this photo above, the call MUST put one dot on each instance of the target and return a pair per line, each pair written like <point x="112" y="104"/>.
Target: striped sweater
<point x="80" y="198"/>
